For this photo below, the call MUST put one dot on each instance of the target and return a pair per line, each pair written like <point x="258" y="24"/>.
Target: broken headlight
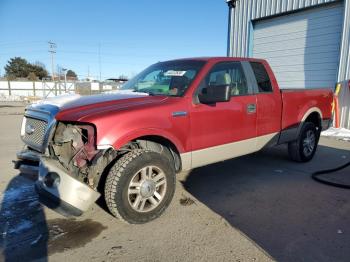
<point x="74" y="144"/>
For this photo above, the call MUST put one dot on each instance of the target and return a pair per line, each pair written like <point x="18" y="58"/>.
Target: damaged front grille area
<point x="74" y="147"/>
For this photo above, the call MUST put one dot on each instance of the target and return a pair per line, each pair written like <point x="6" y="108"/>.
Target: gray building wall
<point x="246" y="11"/>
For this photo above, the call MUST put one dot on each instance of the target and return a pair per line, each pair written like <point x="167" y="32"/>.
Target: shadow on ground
<point x="26" y="234"/>
<point x="276" y="204"/>
<point x="23" y="228"/>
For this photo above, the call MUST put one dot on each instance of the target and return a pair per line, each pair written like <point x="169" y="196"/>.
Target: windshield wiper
<point x="146" y="92"/>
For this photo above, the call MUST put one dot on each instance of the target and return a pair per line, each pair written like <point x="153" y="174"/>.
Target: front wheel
<point x="140" y="186"/>
<point x="304" y="148"/>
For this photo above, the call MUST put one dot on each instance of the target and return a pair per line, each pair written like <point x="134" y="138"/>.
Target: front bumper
<point x="28" y="162"/>
<point x="54" y="203"/>
<point x="65" y="193"/>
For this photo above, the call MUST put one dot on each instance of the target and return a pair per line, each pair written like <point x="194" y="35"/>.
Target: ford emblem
<point x="29" y="129"/>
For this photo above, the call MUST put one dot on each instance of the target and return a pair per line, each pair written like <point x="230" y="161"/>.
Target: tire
<point x="140" y="186"/>
<point x="304" y="148"/>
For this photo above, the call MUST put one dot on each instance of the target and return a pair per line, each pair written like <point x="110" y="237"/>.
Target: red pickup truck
<point x="173" y="116"/>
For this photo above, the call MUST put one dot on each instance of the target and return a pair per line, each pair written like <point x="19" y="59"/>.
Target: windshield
<point x="165" y="78"/>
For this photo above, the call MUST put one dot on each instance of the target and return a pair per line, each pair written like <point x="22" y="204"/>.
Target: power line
<point x="99" y="58"/>
<point x="22" y="43"/>
<point x="102" y="54"/>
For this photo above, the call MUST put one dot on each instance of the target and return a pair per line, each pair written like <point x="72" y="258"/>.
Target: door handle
<point x="251" y="108"/>
<point x="179" y="113"/>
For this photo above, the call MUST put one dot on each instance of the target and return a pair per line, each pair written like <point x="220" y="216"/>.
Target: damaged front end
<point x="71" y="173"/>
<point x="74" y="147"/>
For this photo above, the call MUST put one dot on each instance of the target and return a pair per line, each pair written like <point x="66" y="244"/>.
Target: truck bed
<point x="302" y="101"/>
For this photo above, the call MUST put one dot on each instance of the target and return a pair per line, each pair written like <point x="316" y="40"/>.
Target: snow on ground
<point x="338" y="133"/>
<point x="11" y="98"/>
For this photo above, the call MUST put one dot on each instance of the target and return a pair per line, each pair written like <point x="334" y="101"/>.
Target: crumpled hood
<point x="76" y="107"/>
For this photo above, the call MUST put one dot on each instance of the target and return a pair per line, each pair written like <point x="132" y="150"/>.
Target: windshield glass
<point x="165" y="78"/>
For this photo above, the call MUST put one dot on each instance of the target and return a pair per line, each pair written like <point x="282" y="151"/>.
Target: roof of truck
<point x="220" y="59"/>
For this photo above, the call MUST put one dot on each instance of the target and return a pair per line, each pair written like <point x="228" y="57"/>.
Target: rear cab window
<point x="262" y="78"/>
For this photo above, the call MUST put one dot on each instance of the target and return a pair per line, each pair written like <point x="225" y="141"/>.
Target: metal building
<point x="306" y="42"/>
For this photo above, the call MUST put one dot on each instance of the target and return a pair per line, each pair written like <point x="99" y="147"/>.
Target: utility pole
<point x="65" y="70"/>
<point x="99" y="58"/>
<point x="52" y="50"/>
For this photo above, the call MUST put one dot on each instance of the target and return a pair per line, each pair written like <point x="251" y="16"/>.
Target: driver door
<point x="224" y="130"/>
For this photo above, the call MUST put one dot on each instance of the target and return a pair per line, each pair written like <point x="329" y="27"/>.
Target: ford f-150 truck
<point x="174" y="116"/>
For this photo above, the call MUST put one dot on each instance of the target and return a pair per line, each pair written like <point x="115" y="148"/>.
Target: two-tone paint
<point x="201" y="133"/>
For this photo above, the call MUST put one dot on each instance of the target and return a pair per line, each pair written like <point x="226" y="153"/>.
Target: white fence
<point x="23" y="90"/>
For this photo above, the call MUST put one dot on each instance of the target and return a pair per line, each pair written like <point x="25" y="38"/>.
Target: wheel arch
<point x="313" y="115"/>
<point x="145" y="140"/>
<point x="151" y="133"/>
<point x="161" y="144"/>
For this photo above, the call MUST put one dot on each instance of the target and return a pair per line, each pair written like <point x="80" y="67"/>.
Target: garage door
<point x="302" y="48"/>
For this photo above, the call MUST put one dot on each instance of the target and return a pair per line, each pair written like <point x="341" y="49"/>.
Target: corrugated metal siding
<point x="248" y="10"/>
<point x="303" y="47"/>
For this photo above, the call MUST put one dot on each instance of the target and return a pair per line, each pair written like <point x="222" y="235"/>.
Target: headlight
<point x="23" y="127"/>
<point x="74" y="143"/>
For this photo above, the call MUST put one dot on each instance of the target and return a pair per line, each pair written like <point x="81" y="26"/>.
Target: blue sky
<point x="131" y="34"/>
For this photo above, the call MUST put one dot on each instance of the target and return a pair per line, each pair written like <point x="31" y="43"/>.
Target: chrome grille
<point x="34" y="132"/>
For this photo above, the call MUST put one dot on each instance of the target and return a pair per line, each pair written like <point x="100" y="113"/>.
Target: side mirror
<point x="214" y="94"/>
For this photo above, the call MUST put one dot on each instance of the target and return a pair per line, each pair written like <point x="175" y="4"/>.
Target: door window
<point x="227" y="74"/>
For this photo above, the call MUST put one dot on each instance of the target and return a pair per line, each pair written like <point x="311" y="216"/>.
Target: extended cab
<point x="173" y="116"/>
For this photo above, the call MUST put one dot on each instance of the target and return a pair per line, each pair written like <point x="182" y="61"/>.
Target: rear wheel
<point x="304" y="148"/>
<point x="140" y="186"/>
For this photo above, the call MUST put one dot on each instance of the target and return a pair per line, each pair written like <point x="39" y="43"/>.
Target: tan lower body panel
<point x="215" y="154"/>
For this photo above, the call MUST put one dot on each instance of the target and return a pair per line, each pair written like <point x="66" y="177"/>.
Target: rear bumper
<point x="62" y="191"/>
<point x="326" y="123"/>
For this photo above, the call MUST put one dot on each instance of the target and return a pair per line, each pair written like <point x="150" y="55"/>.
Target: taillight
<point x="337" y="89"/>
<point x="335" y="106"/>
